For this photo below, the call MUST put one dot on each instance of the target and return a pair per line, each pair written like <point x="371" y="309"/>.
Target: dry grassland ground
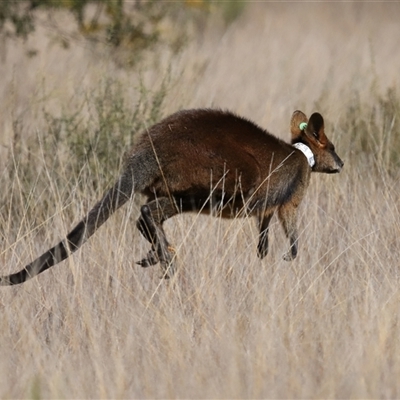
<point x="228" y="325"/>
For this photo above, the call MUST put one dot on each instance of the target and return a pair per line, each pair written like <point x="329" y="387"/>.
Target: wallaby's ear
<point x="297" y="124"/>
<point x="316" y="128"/>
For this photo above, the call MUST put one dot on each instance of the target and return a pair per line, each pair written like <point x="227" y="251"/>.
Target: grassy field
<point x="228" y="325"/>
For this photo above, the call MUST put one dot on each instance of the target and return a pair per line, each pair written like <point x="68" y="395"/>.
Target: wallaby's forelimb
<point x="288" y="216"/>
<point x="262" y="247"/>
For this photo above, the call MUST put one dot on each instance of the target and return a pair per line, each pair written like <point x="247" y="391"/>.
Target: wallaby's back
<point x="201" y="149"/>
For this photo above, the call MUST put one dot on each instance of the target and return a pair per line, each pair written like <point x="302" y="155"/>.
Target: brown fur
<point x="208" y="161"/>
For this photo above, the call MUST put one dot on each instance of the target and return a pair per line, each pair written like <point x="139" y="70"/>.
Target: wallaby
<point x="208" y="161"/>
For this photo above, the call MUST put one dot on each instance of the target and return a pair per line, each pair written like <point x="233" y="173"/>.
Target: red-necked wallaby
<point x="208" y="161"/>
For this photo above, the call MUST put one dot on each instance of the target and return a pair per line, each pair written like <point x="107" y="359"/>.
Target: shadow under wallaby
<point x="207" y="161"/>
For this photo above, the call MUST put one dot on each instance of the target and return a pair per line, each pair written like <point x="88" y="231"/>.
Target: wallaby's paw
<point x="262" y="251"/>
<point x="149" y="260"/>
<point x="289" y="256"/>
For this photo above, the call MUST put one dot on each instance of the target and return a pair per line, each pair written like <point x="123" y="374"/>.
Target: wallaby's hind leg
<point x="153" y="214"/>
<point x="151" y="257"/>
<point x="288" y="217"/>
<point x="263" y="223"/>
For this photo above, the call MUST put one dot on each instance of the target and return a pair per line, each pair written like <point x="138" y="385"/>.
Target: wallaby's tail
<point x="118" y="195"/>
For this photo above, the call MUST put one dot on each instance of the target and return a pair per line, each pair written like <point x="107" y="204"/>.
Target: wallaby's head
<point x="311" y="132"/>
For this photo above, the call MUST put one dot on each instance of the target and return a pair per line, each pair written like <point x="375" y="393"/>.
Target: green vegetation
<point x="120" y="21"/>
<point x="134" y="24"/>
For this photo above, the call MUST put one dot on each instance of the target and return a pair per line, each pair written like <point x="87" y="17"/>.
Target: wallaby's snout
<point x="338" y="164"/>
<point x="327" y="160"/>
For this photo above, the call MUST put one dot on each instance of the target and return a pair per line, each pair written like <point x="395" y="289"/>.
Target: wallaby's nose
<point x="340" y="164"/>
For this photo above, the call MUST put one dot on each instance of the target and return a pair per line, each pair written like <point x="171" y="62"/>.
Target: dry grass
<point x="228" y="325"/>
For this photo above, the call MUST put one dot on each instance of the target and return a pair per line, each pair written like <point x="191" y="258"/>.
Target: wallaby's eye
<point x="330" y="147"/>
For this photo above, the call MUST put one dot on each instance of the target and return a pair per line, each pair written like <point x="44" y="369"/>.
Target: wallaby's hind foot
<point x="153" y="214"/>
<point x="150" y="259"/>
<point x="167" y="262"/>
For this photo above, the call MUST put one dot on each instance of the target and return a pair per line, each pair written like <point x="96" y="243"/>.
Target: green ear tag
<point x="303" y="126"/>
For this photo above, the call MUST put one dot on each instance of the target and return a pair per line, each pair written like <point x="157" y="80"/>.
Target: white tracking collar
<point x="307" y="152"/>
